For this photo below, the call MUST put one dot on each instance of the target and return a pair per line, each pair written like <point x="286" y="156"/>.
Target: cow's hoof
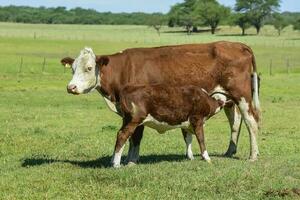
<point x="131" y="164"/>
<point x="190" y="157"/>
<point x="252" y="159"/>
<point x="230" y="153"/>
<point x="208" y="161"/>
<point x="116" y="166"/>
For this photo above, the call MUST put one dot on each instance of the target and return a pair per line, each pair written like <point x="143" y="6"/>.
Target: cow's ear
<point x="102" y="60"/>
<point x="67" y="62"/>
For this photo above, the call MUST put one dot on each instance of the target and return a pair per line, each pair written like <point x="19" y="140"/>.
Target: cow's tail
<point x="255" y="84"/>
<point x="255" y="80"/>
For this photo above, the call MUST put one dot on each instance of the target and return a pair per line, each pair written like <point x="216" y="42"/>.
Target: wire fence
<point x="43" y="65"/>
<point x="284" y="65"/>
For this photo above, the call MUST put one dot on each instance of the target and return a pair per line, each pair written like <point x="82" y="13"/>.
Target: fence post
<point x="21" y="65"/>
<point x="271" y="68"/>
<point x="44" y="64"/>
<point x="67" y="53"/>
<point x="287" y="65"/>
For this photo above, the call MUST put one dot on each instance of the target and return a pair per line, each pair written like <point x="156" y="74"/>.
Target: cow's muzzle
<point x="72" y="89"/>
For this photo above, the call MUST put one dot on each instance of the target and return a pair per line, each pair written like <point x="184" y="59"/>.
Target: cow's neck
<point x="108" y="91"/>
<point x="106" y="87"/>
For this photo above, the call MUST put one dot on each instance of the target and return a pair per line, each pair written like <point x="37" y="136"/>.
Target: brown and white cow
<point x="163" y="108"/>
<point x="219" y="67"/>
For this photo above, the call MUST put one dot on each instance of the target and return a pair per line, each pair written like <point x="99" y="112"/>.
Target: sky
<point x="129" y="5"/>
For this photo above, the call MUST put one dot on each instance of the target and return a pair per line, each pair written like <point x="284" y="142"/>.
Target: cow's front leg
<point x="125" y="132"/>
<point x="200" y="137"/>
<point x="134" y="145"/>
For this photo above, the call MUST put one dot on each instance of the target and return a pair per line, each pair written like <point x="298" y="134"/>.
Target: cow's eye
<point x="89" y="68"/>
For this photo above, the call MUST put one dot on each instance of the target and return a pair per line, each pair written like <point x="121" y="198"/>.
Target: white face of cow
<point x="85" y="73"/>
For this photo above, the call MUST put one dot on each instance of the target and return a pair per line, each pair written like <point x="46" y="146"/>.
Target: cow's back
<point x="197" y="64"/>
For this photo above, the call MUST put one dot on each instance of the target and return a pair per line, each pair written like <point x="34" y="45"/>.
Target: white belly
<point x="162" y="127"/>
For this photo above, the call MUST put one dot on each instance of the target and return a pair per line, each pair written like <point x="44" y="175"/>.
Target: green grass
<point x="58" y="146"/>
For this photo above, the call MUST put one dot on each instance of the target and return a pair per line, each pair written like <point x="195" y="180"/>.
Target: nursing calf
<point x="163" y="108"/>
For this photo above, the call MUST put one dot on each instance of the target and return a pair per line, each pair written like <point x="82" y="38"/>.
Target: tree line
<point x="189" y="14"/>
<point x="246" y="13"/>
<point x="61" y="15"/>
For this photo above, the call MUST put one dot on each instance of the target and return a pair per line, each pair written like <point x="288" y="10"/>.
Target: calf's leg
<point x="134" y="145"/>
<point x="235" y="120"/>
<point x="188" y="137"/>
<point x="125" y="132"/>
<point x="200" y="137"/>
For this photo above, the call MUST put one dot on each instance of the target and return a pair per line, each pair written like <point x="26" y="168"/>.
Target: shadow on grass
<point x="293" y="39"/>
<point x="192" y="32"/>
<point x="235" y="35"/>
<point x="103" y="162"/>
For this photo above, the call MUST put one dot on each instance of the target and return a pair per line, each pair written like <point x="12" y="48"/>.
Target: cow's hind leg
<point x="125" y="132"/>
<point x="251" y="122"/>
<point x="188" y="137"/>
<point x="235" y="120"/>
<point x="134" y="145"/>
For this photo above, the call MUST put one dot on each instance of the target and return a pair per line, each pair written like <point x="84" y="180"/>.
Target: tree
<point x="171" y="22"/>
<point x="210" y="13"/>
<point x="296" y="25"/>
<point x="257" y="10"/>
<point x="279" y="22"/>
<point x="291" y="17"/>
<point x="181" y="15"/>
<point x="156" y="22"/>
<point x="242" y="20"/>
<point x="62" y="15"/>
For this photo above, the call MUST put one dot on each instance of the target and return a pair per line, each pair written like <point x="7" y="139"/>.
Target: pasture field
<point x="58" y="146"/>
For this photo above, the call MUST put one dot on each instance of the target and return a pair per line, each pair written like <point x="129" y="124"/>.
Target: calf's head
<point x="86" y="71"/>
